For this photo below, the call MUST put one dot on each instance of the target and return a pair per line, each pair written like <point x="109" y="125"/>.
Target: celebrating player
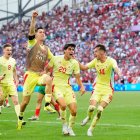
<point x="37" y="55"/>
<point x="63" y="67"/>
<point x="7" y="77"/>
<point x="103" y="87"/>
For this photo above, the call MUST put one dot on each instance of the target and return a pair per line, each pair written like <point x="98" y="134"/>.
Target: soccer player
<point x="7" y="76"/>
<point x="41" y="94"/>
<point x="103" y="87"/>
<point x="37" y="55"/>
<point x="63" y="67"/>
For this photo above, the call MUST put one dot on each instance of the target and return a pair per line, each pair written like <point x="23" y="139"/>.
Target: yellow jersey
<point x="105" y="72"/>
<point x="7" y="67"/>
<point x="37" y="55"/>
<point x="63" y="69"/>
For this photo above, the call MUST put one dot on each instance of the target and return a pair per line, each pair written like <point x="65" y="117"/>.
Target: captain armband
<point x="31" y="37"/>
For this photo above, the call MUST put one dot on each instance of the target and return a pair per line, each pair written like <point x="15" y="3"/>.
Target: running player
<point x="63" y="67"/>
<point x="7" y="76"/>
<point x="103" y="87"/>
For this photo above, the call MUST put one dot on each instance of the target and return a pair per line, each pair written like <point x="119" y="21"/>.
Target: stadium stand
<point x="109" y="24"/>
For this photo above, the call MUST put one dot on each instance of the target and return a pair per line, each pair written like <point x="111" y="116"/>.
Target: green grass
<point x="120" y="121"/>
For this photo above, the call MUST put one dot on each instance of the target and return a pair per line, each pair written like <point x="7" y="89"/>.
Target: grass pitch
<point x="119" y="121"/>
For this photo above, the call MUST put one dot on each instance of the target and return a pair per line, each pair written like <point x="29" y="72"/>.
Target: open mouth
<point x="71" y="54"/>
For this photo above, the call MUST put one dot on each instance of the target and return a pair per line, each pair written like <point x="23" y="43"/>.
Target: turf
<point x="120" y="121"/>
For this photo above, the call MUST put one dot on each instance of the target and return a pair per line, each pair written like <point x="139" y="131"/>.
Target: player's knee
<point x="25" y="102"/>
<point x="99" y="111"/>
<point x="73" y="112"/>
<point x="100" y="108"/>
<point x="91" y="108"/>
<point x="63" y="107"/>
<point x="39" y="101"/>
<point x="15" y="102"/>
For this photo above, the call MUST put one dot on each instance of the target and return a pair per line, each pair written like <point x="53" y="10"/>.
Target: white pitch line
<point x="57" y="122"/>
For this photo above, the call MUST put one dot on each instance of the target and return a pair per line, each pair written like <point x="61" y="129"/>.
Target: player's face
<point x="97" y="53"/>
<point x="69" y="52"/>
<point x="40" y="35"/>
<point x="7" y="52"/>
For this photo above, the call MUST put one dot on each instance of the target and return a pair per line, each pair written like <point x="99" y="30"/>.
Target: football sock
<point x="17" y="109"/>
<point x="63" y="116"/>
<point x="6" y="100"/>
<point x="21" y="115"/>
<point x="37" y="112"/>
<point x="57" y="108"/>
<point x="71" y="120"/>
<point x="97" y="117"/>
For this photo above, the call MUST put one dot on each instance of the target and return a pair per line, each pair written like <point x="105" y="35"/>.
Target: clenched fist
<point x="34" y="14"/>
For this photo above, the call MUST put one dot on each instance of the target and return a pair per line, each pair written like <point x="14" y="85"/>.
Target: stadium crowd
<point x="109" y="24"/>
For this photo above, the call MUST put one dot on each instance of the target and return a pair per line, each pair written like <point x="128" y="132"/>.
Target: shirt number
<point x="102" y="71"/>
<point x="62" y="69"/>
<point x="9" y="67"/>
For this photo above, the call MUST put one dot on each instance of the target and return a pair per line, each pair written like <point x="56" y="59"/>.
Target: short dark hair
<point x="39" y="28"/>
<point x="7" y="45"/>
<point x="101" y="47"/>
<point x="69" y="44"/>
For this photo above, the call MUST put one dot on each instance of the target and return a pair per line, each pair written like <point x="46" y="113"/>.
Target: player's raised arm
<point x="79" y="82"/>
<point x="32" y="25"/>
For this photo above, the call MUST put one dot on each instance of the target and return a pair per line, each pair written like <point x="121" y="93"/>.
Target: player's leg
<point x="24" y="103"/>
<point x="1" y="99"/>
<point x="16" y="104"/>
<point x="92" y="106"/>
<point x="62" y="104"/>
<point x="40" y="97"/>
<point x="12" y="91"/>
<point x="47" y="81"/>
<point x="96" y="118"/>
<point x="30" y="81"/>
<point x="39" y="103"/>
<point x="71" y="102"/>
<point x="56" y="106"/>
<point x="58" y="95"/>
<point x="105" y="100"/>
<point x="73" y="112"/>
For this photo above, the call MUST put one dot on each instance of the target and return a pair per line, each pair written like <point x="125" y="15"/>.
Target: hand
<point x="82" y="90"/>
<point x="2" y="77"/>
<point x="34" y="14"/>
